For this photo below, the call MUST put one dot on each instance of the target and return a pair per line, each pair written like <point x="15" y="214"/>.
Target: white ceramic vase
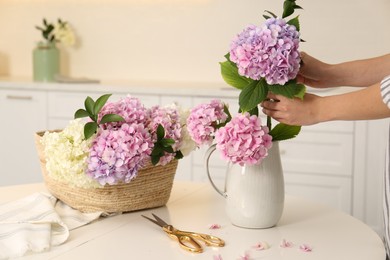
<point x="254" y="193"/>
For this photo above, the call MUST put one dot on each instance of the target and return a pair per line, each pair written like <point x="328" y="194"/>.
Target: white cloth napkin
<point x="37" y="222"/>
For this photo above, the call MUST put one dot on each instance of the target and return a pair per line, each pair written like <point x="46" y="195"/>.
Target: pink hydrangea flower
<point x="203" y="119"/>
<point x="269" y="51"/>
<point x="244" y="140"/>
<point x="130" y="108"/>
<point x="117" y="155"/>
<point x="169" y="118"/>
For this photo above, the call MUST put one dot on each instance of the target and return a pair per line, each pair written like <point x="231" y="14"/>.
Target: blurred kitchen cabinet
<point x="22" y="113"/>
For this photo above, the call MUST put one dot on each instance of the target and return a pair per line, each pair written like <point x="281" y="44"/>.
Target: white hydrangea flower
<point x="66" y="154"/>
<point x="187" y="144"/>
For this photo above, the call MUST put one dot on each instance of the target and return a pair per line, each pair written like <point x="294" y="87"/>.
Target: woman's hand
<point x="292" y="111"/>
<point x="315" y="73"/>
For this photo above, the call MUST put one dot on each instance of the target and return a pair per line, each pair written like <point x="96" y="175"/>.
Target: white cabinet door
<point x="333" y="191"/>
<point x="22" y="114"/>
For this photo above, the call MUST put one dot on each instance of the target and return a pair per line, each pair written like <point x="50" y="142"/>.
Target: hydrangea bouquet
<point x="261" y="59"/>
<point x="57" y="32"/>
<point x="118" y="140"/>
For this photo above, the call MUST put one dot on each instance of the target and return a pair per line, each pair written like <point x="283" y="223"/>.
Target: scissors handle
<point x="209" y="240"/>
<point x="185" y="239"/>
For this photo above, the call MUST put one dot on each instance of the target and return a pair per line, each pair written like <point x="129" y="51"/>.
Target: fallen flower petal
<point x="286" y="244"/>
<point x="245" y="256"/>
<point x="217" y="257"/>
<point x="305" y="248"/>
<point x="215" y="226"/>
<point x="261" y="246"/>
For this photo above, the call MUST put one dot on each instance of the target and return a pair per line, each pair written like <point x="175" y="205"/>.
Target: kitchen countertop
<point x="195" y="206"/>
<point x="217" y="89"/>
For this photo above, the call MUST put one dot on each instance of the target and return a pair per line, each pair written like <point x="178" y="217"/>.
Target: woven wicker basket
<point x="151" y="188"/>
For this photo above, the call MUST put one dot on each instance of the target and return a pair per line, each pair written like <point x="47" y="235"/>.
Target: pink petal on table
<point x="217" y="257"/>
<point x="261" y="246"/>
<point x="246" y="256"/>
<point x="305" y="248"/>
<point x="215" y="226"/>
<point x="286" y="244"/>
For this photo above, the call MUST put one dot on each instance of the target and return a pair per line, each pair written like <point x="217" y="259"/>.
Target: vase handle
<point x="209" y="151"/>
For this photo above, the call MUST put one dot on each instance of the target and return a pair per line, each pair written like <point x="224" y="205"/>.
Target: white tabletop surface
<point x="331" y="234"/>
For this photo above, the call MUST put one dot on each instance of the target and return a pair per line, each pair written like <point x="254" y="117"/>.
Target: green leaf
<point x="291" y="89"/>
<point x="226" y="110"/>
<point x="301" y="93"/>
<point x="168" y="149"/>
<point x="288" y="7"/>
<point x="81" y="113"/>
<point x="89" y="129"/>
<point x="295" y="22"/>
<point x="179" y="155"/>
<point x="254" y="111"/>
<point x="89" y="104"/>
<point x="283" y="132"/>
<point x="230" y="75"/>
<point x="155" y="159"/>
<point x="157" y="150"/>
<point x="229" y="117"/>
<point x="252" y="95"/>
<point x="100" y="102"/>
<point x="160" y="132"/>
<point x="166" y="142"/>
<point x="271" y="13"/>
<point x="111" y="118"/>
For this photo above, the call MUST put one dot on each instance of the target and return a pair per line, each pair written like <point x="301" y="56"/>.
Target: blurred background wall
<point x="180" y="40"/>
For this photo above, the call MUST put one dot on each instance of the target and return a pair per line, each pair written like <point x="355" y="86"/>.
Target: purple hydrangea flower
<point x="269" y="51"/>
<point x="244" y="140"/>
<point x="202" y="121"/>
<point x="116" y="155"/>
<point x="169" y="118"/>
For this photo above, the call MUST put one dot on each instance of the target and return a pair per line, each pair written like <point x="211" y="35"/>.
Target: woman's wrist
<point x="334" y="74"/>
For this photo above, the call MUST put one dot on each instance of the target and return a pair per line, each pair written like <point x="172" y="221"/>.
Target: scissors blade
<point x="154" y="221"/>
<point x="162" y="222"/>
<point x="157" y="220"/>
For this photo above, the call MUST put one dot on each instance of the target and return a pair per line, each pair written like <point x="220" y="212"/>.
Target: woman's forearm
<point x="360" y="73"/>
<point x="362" y="104"/>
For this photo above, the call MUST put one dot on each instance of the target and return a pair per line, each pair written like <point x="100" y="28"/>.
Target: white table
<point x="332" y="234"/>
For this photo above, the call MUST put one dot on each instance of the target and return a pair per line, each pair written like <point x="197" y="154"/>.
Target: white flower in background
<point x="58" y="32"/>
<point x="64" y="33"/>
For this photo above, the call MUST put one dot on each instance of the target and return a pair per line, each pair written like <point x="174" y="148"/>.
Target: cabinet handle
<point x="19" y="97"/>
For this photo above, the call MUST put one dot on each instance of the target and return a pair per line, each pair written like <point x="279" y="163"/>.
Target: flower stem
<point x="269" y="124"/>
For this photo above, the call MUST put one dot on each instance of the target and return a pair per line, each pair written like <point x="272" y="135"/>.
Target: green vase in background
<point x="46" y="62"/>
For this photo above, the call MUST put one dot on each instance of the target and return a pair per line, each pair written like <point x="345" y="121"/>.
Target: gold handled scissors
<point x="187" y="240"/>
